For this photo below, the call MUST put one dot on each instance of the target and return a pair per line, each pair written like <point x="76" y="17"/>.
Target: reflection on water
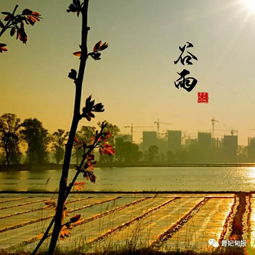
<point x="250" y="171"/>
<point x="139" y="179"/>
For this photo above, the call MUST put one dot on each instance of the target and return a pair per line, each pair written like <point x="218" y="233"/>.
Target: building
<point x="149" y="139"/>
<point x="203" y="152"/>
<point x="204" y="140"/>
<point x="229" y="148"/>
<point x="174" y="140"/>
<point x="251" y="149"/>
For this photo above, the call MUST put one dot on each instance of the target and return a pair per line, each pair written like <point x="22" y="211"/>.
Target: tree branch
<point x="75" y="121"/>
<point x="9" y="21"/>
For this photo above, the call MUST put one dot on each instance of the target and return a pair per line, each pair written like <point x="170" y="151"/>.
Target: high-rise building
<point x="229" y="147"/>
<point x="174" y="140"/>
<point x="203" y="150"/>
<point x="251" y="149"/>
<point x="149" y="139"/>
<point x="204" y="140"/>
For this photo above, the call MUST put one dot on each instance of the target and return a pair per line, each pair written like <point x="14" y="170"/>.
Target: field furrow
<point x="28" y="208"/>
<point x="115" y="207"/>
<point x="27" y="229"/>
<point x="11" y="199"/>
<point x="207" y="223"/>
<point x="164" y="221"/>
<point x="14" y="204"/>
<point x="142" y="232"/>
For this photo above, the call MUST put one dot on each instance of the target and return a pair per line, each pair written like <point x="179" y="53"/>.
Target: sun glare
<point x="250" y="5"/>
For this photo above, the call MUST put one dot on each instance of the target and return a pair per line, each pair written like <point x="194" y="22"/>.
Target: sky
<point x="135" y="78"/>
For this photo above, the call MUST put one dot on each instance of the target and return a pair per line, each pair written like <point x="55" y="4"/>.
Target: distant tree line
<point x="31" y="137"/>
<point x="197" y="154"/>
<point x="28" y="142"/>
<point x="126" y="151"/>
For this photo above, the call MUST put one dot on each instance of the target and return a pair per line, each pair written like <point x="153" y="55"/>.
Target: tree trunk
<point x="7" y="154"/>
<point x="75" y="121"/>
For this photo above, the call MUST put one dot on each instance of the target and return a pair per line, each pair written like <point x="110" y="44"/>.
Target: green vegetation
<point x="39" y="146"/>
<point x="10" y="137"/>
<point x="58" y="144"/>
<point x="37" y="139"/>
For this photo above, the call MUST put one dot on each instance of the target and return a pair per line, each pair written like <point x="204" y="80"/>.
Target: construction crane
<point x="159" y="122"/>
<point x="131" y="126"/>
<point x="232" y="131"/>
<point x="213" y="125"/>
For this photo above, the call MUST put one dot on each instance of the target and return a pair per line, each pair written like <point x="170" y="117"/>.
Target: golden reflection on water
<point x="251" y="173"/>
<point x="140" y="179"/>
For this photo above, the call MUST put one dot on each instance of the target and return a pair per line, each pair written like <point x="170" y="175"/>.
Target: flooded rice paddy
<point x="108" y="221"/>
<point x="198" y="208"/>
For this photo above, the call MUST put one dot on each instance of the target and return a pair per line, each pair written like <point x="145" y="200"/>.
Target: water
<point x="139" y="179"/>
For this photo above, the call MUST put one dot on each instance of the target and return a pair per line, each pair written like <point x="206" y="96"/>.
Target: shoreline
<point x="24" y="167"/>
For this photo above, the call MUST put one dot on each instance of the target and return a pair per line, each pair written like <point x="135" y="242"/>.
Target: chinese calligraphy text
<point x="185" y="58"/>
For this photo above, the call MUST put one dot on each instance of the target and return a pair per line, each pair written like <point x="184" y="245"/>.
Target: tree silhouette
<point x="113" y="130"/>
<point x="127" y="151"/>
<point x="16" y="23"/>
<point x="10" y="137"/>
<point x="37" y="139"/>
<point x="58" y="144"/>
<point x="153" y="153"/>
<point x="85" y="134"/>
<point x="100" y="137"/>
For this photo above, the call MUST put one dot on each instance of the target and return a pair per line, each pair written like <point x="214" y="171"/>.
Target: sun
<point x="250" y="5"/>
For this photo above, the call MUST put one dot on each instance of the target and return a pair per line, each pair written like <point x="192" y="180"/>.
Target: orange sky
<point x="135" y="78"/>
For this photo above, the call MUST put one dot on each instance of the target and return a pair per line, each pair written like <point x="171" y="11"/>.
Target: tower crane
<point x="232" y="131"/>
<point x="131" y="126"/>
<point x="213" y="125"/>
<point x="160" y="122"/>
